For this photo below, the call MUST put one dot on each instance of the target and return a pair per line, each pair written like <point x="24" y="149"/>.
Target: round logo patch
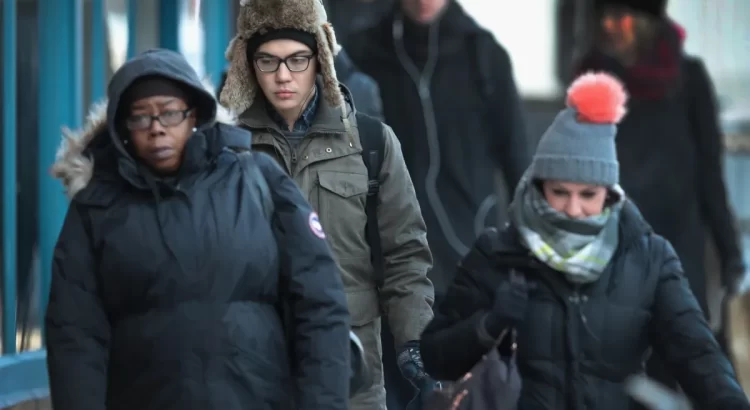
<point x="315" y="225"/>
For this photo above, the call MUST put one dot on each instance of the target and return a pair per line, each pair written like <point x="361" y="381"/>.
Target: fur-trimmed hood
<point x="74" y="164"/>
<point x="256" y="16"/>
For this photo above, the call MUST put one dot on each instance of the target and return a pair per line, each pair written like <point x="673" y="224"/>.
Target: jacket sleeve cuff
<point x="485" y="336"/>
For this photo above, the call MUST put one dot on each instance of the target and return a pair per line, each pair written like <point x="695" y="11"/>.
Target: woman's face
<point x="577" y="201"/>
<point x="624" y="33"/>
<point x="160" y="127"/>
<point x="287" y="86"/>
<point x="619" y="31"/>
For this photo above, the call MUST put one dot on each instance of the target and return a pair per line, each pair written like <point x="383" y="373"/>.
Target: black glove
<point x="412" y="368"/>
<point x="509" y="307"/>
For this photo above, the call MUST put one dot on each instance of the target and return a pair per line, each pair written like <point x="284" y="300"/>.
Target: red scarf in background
<point x="656" y="75"/>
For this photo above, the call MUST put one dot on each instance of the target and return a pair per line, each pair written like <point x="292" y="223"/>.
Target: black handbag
<point x="492" y="384"/>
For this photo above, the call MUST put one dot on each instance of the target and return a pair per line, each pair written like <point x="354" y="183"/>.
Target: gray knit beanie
<point x="579" y="146"/>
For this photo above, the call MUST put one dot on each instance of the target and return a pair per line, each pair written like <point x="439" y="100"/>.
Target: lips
<point x="284" y="94"/>
<point x="162" y="153"/>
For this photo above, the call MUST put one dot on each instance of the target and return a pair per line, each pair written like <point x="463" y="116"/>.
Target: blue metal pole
<point x="216" y="15"/>
<point x="132" y="27"/>
<point x="61" y="101"/>
<point x="9" y="176"/>
<point x="169" y="24"/>
<point x="98" y="51"/>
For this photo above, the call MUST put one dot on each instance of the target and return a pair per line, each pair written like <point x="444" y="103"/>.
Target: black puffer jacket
<point x="167" y="294"/>
<point x="578" y="344"/>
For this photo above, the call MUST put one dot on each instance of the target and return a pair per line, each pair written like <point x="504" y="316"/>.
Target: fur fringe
<point x="75" y="169"/>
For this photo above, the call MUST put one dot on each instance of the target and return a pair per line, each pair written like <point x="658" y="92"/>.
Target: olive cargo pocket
<point x="341" y="200"/>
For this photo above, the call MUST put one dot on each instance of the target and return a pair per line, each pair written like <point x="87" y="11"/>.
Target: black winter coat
<point x="168" y="294"/>
<point x="578" y="344"/>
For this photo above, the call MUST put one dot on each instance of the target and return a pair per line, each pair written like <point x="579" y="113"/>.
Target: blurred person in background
<point x="363" y="88"/>
<point x="582" y="280"/>
<point x="173" y="272"/>
<point x="282" y="83"/>
<point x="448" y="91"/>
<point x="449" y="94"/>
<point x="670" y="143"/>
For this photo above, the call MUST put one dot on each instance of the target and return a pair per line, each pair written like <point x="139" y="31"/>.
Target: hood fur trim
<point x="74" y="168"/>
<point x="241" y="86"/>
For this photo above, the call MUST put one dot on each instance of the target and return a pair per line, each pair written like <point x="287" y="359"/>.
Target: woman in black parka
<point x="181" y="256"/>
<point x="600" y="287"/>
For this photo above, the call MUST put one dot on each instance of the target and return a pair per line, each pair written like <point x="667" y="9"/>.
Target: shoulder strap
<point x="373" y="144"/>
<point x="479" y="57"/>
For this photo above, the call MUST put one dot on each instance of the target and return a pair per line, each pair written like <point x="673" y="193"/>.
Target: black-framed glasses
<point x="295" y="64"/>
<point x="167" y="119"/>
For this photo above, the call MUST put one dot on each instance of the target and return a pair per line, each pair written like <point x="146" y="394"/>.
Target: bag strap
<point x="373" y="144"/>
<point x="479" y="56"/>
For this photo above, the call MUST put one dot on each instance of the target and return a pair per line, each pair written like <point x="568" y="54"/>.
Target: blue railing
<point x="23" y="375"/>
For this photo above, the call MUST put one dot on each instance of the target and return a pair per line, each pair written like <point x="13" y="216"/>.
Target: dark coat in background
<point x="578" y="344"/>
<point x="167" y="293"/>
<point x="363" y="88"/>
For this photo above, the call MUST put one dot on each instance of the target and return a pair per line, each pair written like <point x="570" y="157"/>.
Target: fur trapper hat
<point x="259" y="16"/>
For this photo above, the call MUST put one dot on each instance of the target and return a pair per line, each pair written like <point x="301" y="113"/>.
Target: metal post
<point x="98" y="51"/>
<point x="169" y="24"/>
<point x="216" y="20"/>
<point x="61" y="101"/>
<point x="132" y="27"/>
<point x="9" y="177"/>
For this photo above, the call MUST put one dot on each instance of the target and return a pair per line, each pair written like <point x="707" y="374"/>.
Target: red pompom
<point x="599" y="98"/>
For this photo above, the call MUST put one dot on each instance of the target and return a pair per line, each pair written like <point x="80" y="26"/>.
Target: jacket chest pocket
<point x="341" y="206"/>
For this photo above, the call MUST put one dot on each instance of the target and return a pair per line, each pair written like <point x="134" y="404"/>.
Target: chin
<point x="285" y="105"/>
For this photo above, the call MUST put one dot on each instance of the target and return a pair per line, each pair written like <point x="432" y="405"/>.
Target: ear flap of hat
<point x="327" y="50"/>
<point x="241" y="86"/>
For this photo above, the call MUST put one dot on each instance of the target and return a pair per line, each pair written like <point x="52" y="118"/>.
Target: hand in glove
<point x="509" y="307"/>
<point x="412" y="368"/>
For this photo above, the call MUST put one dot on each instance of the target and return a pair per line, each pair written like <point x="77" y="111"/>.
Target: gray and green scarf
<point x="579" y="248"/>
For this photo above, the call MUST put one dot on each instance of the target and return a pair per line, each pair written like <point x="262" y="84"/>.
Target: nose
<point x="608" y="24"/>
<point x="573" y="209"/>
<point x="156" y="128"/>
<point x="283" y="75"/>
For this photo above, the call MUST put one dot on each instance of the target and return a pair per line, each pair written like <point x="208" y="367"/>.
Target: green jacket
<point x="329" y="170"/>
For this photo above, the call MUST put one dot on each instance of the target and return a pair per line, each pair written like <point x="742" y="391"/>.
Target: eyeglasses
<point x="169" y="118"/>
<point x="295" y="64"/>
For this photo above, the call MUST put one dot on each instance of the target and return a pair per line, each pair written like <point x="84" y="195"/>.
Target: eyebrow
<point x="294" y="54"/>
<point x="161" y="104"/>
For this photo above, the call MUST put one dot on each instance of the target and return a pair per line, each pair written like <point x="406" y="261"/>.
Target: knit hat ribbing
<point x="656" y="8"/>
<point x="579" y="146"/>
<point x="261" y="16"/>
